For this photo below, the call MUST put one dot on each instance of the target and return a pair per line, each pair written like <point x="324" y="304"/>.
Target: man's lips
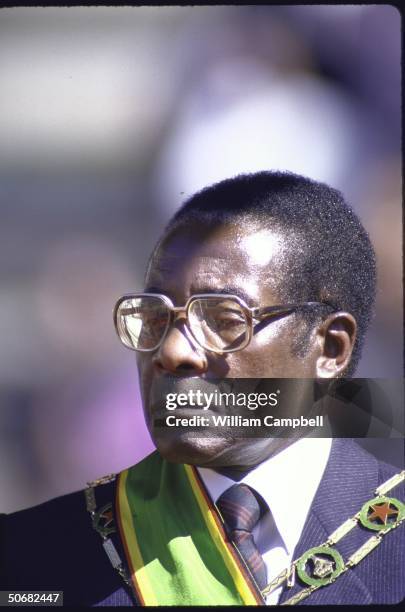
<point x="182" y="384"/>
<point x="167" y="385"/>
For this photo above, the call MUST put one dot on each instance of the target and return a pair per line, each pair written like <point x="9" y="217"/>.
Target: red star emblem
<point x="382" y="512"/>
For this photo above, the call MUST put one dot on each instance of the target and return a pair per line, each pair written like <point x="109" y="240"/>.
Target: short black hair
<point x="336" y="262"/>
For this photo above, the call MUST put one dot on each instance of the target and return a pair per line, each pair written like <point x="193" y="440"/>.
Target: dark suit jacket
<point x="53" y="546"/>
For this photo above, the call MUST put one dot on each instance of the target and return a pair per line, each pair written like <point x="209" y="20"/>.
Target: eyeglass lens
<point x="217" y="323"/>
<point x="142" y="322"/>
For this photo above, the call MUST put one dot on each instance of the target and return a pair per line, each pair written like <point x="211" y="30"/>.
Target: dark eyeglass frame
<point x="259" y="313"/>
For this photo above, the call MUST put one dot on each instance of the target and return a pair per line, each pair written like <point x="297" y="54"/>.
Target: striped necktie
<point x="241" y="511"/>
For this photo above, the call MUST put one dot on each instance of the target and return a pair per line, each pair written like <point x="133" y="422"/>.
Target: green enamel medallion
<point x="319" y="566"/>
<point x="382" y="513"/>
<point x="103" y="521"/>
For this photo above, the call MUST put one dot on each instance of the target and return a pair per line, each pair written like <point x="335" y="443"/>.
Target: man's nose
<point x="178" y="354"/>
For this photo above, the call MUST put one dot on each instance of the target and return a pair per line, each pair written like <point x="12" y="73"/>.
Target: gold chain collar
<point x="323" y="564"/>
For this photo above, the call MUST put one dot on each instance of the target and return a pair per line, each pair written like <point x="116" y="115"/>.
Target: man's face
<point x="245" y="262"/>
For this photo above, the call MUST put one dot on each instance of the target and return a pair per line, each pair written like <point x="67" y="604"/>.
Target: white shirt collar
<point x="287" y="482"/>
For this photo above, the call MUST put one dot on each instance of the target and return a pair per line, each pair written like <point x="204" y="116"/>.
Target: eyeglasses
<point x="219" y="323"/>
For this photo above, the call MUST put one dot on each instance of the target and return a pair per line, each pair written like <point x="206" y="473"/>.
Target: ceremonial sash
<point x="174" y="541"/>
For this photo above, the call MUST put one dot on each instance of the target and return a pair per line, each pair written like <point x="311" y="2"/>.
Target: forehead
<point x="199" y="259"/>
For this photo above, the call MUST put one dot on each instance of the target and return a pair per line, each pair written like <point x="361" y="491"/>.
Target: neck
<point x="237" y="472"/>
<point x="234" y="472"/>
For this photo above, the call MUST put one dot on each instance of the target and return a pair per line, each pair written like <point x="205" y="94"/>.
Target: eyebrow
<point x="226" y="289"/>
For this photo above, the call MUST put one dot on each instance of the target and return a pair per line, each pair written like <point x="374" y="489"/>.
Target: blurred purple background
<point x="109" y="117"/>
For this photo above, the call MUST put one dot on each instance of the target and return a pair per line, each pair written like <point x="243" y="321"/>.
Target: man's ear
<point x="336" y="337"/>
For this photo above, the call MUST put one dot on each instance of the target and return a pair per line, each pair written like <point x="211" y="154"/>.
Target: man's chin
<point x="217" y="452"/>
<point x="187" y="448"/>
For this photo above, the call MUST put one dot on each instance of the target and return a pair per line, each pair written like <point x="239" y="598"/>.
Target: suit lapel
<point x="350" y="478"/>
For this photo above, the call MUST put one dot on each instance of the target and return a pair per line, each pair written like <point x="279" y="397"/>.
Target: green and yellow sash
<point x="176" y="548"/>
